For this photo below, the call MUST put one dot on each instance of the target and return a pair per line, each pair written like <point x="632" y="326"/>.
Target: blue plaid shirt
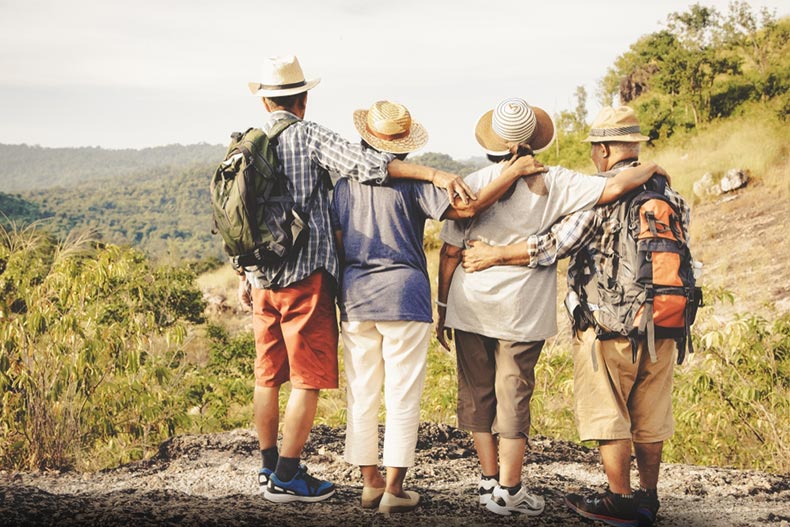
<point x="308" y="152"/>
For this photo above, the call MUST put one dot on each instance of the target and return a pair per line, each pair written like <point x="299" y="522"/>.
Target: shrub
<point x="90" y="357"/>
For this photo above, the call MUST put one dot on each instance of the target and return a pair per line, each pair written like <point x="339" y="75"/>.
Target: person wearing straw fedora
<point x="501" y="316"/>
<point x="625" y="404"/>
<point x="385" y="300"/>
<point x="294" y="320"/>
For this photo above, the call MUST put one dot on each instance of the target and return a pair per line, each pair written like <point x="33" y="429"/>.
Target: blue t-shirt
<point x="385" y="275"/>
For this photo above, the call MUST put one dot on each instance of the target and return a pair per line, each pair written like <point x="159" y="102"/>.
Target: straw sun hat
<point x="388" y="127"/>
<point x="514" y="121"/>
<point x="281" y="76"/>
<point x="616" y="124"/>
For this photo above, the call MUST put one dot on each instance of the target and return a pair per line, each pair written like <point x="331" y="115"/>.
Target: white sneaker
<point x="522" y="502"/>
<point x="484" y="489"/>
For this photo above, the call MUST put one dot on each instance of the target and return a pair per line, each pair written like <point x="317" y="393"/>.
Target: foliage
<point x="27" y="168"/>
<point x="219" y="393"/>
<point x="702" y="66"/>
<point x="568" y="149"/>
<point x="732" y="402"/>
<point x="444" y="162"/>
<point x="167" y="215"/>
<point x="90" y="355"/>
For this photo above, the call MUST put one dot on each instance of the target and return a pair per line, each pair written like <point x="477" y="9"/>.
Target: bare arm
<point x="627" y="180"/>
<point x="452" y="183"/>
<point x="479" y="255"/>
<point x="565" y="238"/>
<point x="449" y="258"/>
<point x="490" y="194"/>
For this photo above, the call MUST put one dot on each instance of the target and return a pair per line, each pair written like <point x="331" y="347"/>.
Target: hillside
<point x="154" y="199"/>
<point x="209" y="480"/>
<point x="29" y="168"/>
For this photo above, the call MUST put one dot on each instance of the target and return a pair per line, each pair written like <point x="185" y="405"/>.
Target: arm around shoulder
<point x="627" y="180"/>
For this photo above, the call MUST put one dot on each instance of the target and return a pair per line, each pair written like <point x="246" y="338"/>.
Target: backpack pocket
<point x="659" y="271"/>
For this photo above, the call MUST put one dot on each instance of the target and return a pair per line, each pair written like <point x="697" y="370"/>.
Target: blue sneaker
<point x="303" y="487"/>
<point x="263" y="478"/>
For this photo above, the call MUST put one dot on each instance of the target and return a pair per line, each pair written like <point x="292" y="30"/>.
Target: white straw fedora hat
<point x="514" y="121"/>
<point x="281" y="76"/>
<point x="388" y="127"/>
<point x="616" y="124"/>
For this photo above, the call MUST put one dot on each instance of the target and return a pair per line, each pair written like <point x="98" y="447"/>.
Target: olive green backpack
<point x="253" y="210"/>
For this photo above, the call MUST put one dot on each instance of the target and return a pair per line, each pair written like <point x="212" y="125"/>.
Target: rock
<point x="735" y="178"/>
<point x="706" y="187"/>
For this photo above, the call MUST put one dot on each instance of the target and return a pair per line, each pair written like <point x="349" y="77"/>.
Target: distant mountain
<point x="156" y="199"/>
<point x="24" y="167"/>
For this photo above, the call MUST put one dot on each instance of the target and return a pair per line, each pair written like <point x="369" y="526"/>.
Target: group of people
<point x="505" y="227"/>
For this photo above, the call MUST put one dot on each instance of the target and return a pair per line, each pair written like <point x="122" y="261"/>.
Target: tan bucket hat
<point x="388" y="127"/>
<point x="281" y="76"/>
<point x="616" y="124"/>
<point x="514" y="121"/>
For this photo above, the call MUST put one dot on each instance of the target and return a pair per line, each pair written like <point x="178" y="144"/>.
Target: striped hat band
<point x="613" y="132"/>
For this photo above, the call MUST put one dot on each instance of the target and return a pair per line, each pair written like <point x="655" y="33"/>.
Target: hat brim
<point x="493" y="144"/>
<point x="627" y="138"/>
<point x="416" y="139"/>
<point x="257" y="91"/>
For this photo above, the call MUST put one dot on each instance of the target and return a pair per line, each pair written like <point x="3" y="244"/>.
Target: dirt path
<point x="209" y="480"/>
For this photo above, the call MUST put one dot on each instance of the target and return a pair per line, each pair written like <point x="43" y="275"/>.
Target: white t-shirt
<point x="512" y="302"/>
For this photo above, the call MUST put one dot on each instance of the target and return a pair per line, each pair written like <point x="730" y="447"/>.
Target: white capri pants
<point x="392" y="353"/>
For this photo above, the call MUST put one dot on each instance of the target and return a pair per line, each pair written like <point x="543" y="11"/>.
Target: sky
<point x="121" y="74"/>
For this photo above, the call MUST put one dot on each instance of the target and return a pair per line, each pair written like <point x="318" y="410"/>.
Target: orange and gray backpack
<point x="646" y="289"/>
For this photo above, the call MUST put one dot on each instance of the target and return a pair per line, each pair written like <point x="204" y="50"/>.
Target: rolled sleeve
<point x="337" y="155"/>
<point x="565" y="238"/>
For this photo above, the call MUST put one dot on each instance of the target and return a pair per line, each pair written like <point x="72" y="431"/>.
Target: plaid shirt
<point x="308" y="152"/>
<point x="581" y="236"/>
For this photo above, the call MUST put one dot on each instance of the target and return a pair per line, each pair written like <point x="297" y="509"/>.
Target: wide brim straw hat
<point x="514" y="121"/>
<point x="616" y="124"/>
<point x="388" y="127"/>
<point x="280" y="77"/>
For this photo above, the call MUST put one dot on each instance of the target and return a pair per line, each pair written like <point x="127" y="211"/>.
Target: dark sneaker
<point x="263" y="478"/>
<point x="504" y="503"/>
<point x="647" y="505"/>
<point x="303" y="487"/>
<point x="607" y="507"/>
<point x="485" y="487"/>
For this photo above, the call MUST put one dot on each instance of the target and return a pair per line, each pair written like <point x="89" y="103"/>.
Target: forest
<point x="106" y="349"/>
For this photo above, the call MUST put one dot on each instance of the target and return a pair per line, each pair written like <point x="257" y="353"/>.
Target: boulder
<point x="734" y="178"/>
<point x="706" y="186"/>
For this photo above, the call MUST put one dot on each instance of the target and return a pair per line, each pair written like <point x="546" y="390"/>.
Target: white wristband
<point x="440" y="304"/>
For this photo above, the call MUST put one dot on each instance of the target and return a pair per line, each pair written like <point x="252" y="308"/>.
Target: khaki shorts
<point x="296" y="334"/>
<point x="496" y="379"/>
<point x="623" y="399"/>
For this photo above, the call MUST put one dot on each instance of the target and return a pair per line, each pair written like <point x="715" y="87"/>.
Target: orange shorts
<point x="296" y="334"/>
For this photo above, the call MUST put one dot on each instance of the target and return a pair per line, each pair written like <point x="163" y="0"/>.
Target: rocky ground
<point x="209" y="480"/>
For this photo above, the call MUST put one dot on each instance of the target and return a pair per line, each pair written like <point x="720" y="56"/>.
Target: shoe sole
<point x="617" y="522"/>
<point x="397" y="508"/>
<point x="279" y="497"/>
<point x="508" y="511"/>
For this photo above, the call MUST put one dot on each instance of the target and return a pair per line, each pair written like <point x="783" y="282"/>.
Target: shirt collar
<point x="278" y="115"/>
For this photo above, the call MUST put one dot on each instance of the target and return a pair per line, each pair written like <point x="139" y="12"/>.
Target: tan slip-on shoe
<point x="371" y="496"/>
<point x="392" y="503"/>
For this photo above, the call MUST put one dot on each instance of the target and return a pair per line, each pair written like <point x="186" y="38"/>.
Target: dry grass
<point x="759" y="144"/>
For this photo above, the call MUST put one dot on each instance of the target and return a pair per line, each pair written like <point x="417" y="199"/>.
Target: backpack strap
<point x="278" y="127"/>
<point x="647" y="326"/>
<point x="592" y="353"/>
